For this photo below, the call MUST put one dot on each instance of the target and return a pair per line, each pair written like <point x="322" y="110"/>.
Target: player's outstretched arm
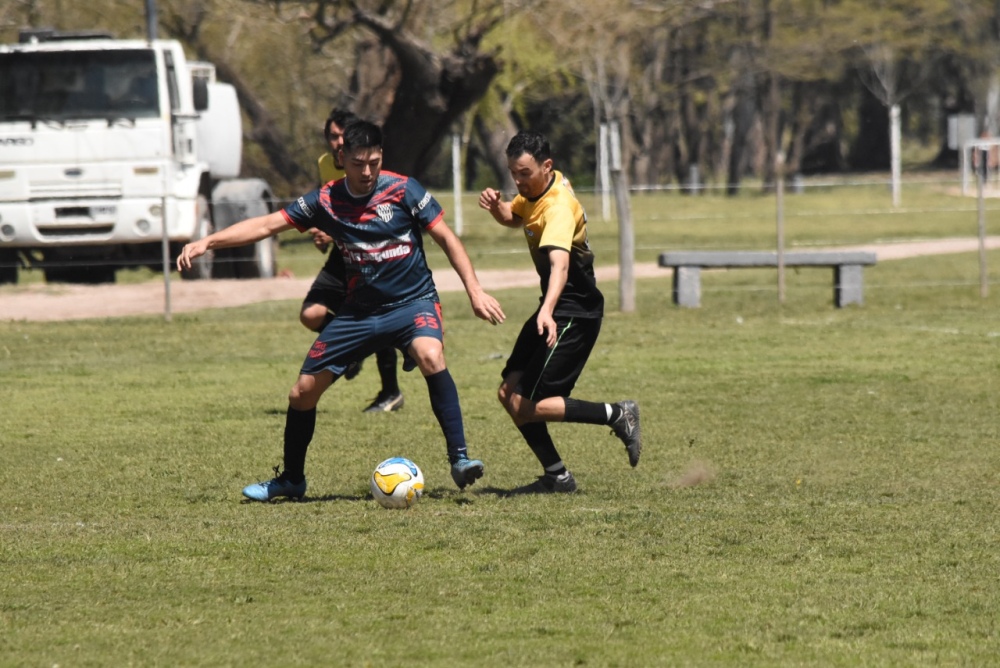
<point x="242" y="233"/>
<point x="483" y="305"/>
<point x="492" y="200"/>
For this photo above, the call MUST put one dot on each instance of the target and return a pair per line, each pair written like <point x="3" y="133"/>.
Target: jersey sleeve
<point x="559" y="227"/>
<point x="303" y="213"/>
<point x="517" y="206"/>
<point x="423" y="207"/>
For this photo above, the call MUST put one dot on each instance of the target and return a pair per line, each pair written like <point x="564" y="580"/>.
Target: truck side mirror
<point x="200" y="93"/>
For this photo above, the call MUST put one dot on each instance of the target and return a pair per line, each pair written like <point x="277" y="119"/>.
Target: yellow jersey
<point x="556" y="219"/>
<point x="334" y="266"/>
<point x="328" y="171"/>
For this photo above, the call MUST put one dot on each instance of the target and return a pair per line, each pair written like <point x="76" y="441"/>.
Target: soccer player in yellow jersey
<point x="555" y="342"/>
<point x="326" y="295"/>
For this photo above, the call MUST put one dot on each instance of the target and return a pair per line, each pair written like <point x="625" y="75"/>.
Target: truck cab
<point x="115" y="153"/>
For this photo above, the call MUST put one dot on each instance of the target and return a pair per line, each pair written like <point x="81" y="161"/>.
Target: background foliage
<point x="720" y="85"/>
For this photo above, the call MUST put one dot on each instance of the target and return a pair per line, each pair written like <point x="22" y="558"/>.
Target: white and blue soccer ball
<point x="397" y="483"/>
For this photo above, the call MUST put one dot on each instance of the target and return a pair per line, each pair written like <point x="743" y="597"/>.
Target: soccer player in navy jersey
<point x="555" y="342"/>
<point x="326" y="294"/>
<point x="376" y="219"/>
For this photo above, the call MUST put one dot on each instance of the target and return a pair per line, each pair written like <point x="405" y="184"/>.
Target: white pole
<point x="895" y="141"/>
<point x="984" y="289"/>
<point x="604" y="172"/>
<point x="965" y="168"/>
<point x="456" y="179"/>
<point x="779" y="190"/>
<point x="166" y="259"/>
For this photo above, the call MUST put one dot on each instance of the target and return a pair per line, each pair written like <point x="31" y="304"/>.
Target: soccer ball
<point x="397" y="483"/>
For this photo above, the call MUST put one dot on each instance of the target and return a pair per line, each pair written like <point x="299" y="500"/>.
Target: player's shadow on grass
<point x="445" y="494"/>
<point x="531" y="488"/>
<point x="323" y="498"/>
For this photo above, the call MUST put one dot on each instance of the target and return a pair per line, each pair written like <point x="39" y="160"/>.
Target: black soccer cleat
<point x="627" y="428"/>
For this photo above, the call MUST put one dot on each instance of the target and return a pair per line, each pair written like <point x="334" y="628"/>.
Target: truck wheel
<point x="8" y="266"/>
<point x="256" y="261"/>
<point x="201" y="268"/>
<point x="266" y="258"/>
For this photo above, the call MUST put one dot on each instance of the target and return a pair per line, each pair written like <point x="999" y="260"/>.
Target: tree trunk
<point x="870" y="151"/>
<point x="742" y="124"/>
<point x="494" y="133"/>
<point x="432" y="92"/>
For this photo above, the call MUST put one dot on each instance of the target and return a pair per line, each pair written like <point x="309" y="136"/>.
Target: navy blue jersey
<point x="379" y="236"/>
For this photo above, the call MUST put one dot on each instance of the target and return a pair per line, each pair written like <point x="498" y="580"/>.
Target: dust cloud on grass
<point x="696" y="473"/>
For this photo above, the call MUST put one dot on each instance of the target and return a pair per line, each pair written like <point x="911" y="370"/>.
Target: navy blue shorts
<point x="352" y="336"/>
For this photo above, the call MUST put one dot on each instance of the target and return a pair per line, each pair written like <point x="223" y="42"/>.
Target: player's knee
<point x="520" y="408"/>
<point x="302" y="396"/>
<point x="430" y="359"/>
<point x="505" y="395"/>
<point x="295" y="397"/>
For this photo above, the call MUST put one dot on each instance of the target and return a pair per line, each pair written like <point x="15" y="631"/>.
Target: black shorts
<point x="328" y="289"/>
<point x="552" y="372"/>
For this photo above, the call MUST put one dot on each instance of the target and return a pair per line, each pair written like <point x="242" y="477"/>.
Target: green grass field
<point x="818" y="487"/>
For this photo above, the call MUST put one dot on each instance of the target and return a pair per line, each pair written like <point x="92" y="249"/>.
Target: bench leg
<point x="848" y="285"/>
<point x="687" y="286"/>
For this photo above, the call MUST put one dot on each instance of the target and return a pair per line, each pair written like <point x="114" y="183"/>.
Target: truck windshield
<point x="47" y="85"/>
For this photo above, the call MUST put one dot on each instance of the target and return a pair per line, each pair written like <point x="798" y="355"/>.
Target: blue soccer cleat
<point x="272" y="489"/>
<point x="466" y="471"/>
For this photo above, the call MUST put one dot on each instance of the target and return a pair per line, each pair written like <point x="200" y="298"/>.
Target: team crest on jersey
<point x="384" y="212"/>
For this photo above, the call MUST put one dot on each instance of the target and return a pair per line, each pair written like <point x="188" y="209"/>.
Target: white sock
<point x="558" y="466"/>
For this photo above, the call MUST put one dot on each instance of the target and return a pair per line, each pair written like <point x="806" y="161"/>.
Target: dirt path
<point x="72" y="302"/>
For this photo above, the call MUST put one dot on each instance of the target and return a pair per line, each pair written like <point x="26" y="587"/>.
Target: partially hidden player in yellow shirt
<point x="555" y="342"/>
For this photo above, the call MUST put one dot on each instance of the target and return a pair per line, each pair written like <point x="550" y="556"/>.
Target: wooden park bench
<point x="687" y="266"/>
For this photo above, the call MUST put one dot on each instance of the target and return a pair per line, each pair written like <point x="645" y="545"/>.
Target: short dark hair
<point x="361" y="134"/>
<point x="339" y="116"/>
<point x="533" y="143"/>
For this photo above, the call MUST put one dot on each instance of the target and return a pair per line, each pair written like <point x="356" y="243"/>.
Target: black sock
<point x="299" y="428"/>
<point x="447" y="410"/>
<point x="537" y="436"/>
<point x="386" y="360"/>
<point x="589" y="412"/>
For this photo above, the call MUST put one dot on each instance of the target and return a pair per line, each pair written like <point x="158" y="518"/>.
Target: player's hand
<point x="487" y="308"/>
<point x="321" y="239"/>
<point x="489" y="199"/>
<point x="547" y="328"/>
<point x="190" y="252"/>
<point x="502" y="212"/>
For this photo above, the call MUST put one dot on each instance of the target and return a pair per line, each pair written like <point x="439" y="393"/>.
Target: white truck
<point x="115" y="151"/>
